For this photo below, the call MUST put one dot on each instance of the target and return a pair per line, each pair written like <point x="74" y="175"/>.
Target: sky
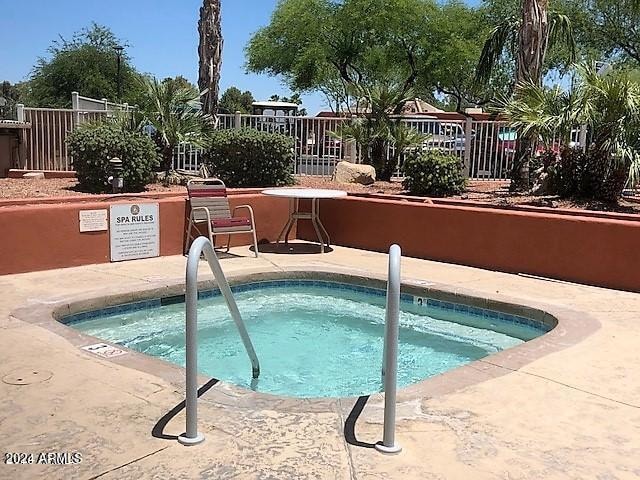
<point x="162" y="36"/>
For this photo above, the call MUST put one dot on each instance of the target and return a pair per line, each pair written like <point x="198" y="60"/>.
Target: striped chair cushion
<point x="207" y="191"/>
<point x="230" y="222"/>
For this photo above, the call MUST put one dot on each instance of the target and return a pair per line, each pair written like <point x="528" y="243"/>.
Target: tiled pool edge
<point x="406" y="298"/>
<point x="572" y="327"/>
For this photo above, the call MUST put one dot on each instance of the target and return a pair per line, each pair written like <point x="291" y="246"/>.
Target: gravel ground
<point x="56" y="187"/>
<point x="494" y="192"/>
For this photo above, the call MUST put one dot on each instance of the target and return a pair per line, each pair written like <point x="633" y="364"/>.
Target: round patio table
<point x="315" y="195"/>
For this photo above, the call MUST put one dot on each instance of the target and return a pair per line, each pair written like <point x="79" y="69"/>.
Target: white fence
<point x="45" y="142"/>
<point x="485" y="148"/>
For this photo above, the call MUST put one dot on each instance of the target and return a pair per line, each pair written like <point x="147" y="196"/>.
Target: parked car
<point x="508" y="136"/>
<point x="448" y="136"/>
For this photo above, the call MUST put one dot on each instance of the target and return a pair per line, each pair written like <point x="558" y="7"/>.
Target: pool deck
<point x="571" y="411"/>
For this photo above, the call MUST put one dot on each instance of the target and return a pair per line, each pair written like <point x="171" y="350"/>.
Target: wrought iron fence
<point x="486" y="148"/>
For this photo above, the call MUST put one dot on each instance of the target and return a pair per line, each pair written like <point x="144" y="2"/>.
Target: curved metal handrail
<point x="202" y="245"/>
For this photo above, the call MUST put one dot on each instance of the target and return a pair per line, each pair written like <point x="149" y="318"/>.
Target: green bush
<point x="433" y="173"/>
<point x="250" y="158"/>
<point x="93" y="145"/>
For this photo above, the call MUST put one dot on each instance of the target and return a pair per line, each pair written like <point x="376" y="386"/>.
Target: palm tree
<point x="528" y="37"/>
<point x="609" y="105"/>
<point x="546" y="114"/>
<point x="403" y="139"/>
<point x="210" y="53"/>
<point x="176" y="116"/>
<point x="374" y="130"/>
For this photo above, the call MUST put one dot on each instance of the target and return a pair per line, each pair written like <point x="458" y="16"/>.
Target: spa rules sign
<point x="135" y="231"/>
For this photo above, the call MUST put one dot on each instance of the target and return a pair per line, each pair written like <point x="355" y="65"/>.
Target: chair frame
<point x="211" y="230"/>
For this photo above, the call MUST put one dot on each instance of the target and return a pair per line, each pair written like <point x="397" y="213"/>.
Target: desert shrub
<point x="587" y="174"/>
<point x="571" y="172"/>
<point x="603" y="177"/>
<point x="93" y="145"/>
<point x="433" y="173"/>
<point x="250" y="158"/>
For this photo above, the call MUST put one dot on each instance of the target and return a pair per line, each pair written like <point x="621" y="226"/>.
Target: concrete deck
<point x="570" y="412"/>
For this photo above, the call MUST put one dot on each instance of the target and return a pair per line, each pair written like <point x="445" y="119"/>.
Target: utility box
<point x="12" y="151"/>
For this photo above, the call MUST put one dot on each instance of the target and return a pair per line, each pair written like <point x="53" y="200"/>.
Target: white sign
<point x="104" y="350"/>
<point x="93" y="220"/>
<point x="135" y="231"/>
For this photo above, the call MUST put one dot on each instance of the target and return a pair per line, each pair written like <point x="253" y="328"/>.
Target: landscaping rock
<point x="347" y="172"/>
<point x="34" y="176"/>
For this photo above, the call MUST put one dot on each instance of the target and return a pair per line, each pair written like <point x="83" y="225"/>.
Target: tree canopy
<point x="10" y="95"/>
<point x="86" y="63"/>
<point x="233" y="100"/>
<point x="611" y="27"/>
<point x="460" y="30"/>
<point x="346" y="48"/>
<point x="294" y="98"/>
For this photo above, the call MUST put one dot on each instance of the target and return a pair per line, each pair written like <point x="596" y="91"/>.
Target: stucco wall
<point x="598" y="250"/>
<point x="46" y="236"/>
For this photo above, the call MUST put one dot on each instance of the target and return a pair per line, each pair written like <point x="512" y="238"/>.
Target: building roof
<point x="417" y="105"/>
<point x="275" y="104"/>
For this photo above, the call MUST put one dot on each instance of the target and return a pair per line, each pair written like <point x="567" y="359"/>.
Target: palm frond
<point x="541" y="112"/>
<point x="561" y="32"/>
<point x="404" y="137"/>
<point x="499" y="38"/>
<point x="176" y="114"/>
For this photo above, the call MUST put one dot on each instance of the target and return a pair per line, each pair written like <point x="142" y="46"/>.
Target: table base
<point x="295" y="214"/>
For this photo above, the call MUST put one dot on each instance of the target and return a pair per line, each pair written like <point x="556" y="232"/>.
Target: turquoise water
<point x="311" y="341"/>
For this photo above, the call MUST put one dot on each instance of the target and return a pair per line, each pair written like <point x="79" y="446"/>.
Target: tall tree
<point x="345" y="48"/>
<point x="458" y="30"/>
<point x="210" y="53"/>
<point x="367" y="55"/>
<point x="86" y="63"/>
<point x="529" y="36"/>
<point x="611" y="27"/>
<point x="233" y="100"/>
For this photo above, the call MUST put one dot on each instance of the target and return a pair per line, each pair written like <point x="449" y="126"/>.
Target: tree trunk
<point x="533" y="41"/>
<point x="210" y="52"/>
<point x="379" y="160"/>
<point x="167" y="159"/>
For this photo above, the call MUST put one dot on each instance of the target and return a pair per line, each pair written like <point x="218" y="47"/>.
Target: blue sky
<point x="162" y="35"/>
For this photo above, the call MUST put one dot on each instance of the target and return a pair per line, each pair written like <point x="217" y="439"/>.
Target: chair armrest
<point x="248" y="207"/>
<point x="202" y="208"/>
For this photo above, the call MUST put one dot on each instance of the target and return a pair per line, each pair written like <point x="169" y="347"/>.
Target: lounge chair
<point x="210" y="206"/>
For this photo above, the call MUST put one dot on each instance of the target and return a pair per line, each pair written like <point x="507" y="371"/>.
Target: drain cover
<point x="26" y="376"/>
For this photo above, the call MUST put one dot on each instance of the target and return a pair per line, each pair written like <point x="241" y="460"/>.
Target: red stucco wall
<point x="598" y="250"/>
<point x="45" y="236"/>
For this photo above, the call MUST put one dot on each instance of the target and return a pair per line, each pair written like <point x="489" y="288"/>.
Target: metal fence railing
<point x="486" y="148"/>
<point x="46" y="140"/>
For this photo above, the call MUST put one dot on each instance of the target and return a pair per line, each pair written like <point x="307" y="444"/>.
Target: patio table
<point x="315" y="195"/>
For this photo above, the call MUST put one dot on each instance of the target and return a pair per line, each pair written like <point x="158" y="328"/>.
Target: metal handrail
<point x="390" y="353"/>
<point x="202" y="245"/>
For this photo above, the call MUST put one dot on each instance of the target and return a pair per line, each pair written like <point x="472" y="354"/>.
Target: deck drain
<point x="27" y="376"/>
